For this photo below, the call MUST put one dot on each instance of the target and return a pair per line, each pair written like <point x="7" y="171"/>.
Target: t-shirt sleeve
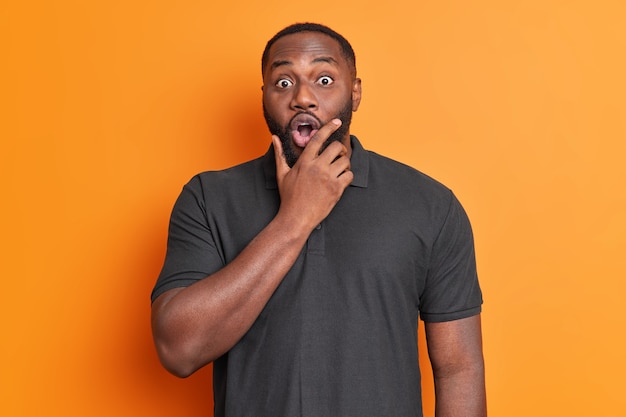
<point x="452" y="290"/>
<point x="192" y="253"/>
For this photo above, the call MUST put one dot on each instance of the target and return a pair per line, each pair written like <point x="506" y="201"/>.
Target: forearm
<point x="195" y="325"/>
<point x="462" y="393"/>
<point x="456" y="355"/>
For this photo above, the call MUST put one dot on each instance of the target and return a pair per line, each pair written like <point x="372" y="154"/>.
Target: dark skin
<point x="195" y="325"/>
<point x="456" y="355"/>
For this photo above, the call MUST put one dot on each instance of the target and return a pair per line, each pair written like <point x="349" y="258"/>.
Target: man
<point x="301" y="274"/>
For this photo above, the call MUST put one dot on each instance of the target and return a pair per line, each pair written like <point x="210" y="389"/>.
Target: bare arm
<point x="455" y="350"/>
<point x="192" y="326"/>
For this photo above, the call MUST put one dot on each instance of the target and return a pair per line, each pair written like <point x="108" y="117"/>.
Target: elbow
<point x="174" y="349"/>
<point x="450" y="370"/>
<point x="182" y="356"/>
<point x="176" y="352"/>
<point x="181" y="347"/>
<point x="175" y="360"/>
<point x="177" y="369"/>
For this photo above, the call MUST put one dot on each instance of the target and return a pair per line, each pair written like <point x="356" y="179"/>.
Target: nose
<point x="303" y="98"/>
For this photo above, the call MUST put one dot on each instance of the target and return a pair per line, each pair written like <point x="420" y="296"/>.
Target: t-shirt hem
<point x="443" y="317"/>
<point x="170" y="285"/>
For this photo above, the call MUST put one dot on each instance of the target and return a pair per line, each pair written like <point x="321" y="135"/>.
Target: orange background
<point x="109" y="107"/>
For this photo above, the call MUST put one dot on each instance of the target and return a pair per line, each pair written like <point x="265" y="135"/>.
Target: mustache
<point x="308" y="114"/>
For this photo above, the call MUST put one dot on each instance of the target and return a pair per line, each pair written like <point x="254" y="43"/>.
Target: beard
<point x="284" y="132"/>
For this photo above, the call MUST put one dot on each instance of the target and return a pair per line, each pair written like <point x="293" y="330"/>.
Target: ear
<point x="356" y="94"/>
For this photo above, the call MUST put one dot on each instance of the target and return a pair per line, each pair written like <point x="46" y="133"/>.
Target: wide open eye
<point x="284" y="83"/>
<point x="325" y="80"/>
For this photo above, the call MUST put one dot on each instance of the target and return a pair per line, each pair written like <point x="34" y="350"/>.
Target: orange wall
<point x="109" y="107"/>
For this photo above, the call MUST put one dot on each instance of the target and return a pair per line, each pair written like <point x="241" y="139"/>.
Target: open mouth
<point x="303" y="128"/>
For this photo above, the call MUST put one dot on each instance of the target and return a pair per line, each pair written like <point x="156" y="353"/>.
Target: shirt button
<point x="319" y="226"/>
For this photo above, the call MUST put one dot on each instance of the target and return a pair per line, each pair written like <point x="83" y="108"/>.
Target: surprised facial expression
<point x="307" y="83"/>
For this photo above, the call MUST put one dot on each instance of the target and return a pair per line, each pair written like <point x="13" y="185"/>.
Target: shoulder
<point x="227" y="185"/>
<point x="238" y="173"/>
<point x="388" y="172"/>
<point x="243" y="176"/>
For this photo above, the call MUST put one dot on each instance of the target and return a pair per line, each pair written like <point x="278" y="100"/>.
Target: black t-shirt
<point x="338" y="336"/>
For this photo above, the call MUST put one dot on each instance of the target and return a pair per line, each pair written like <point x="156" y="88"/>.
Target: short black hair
<point x="346" y="48"/>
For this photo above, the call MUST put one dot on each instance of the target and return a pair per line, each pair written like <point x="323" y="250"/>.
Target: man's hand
<point x="310" y="189"/>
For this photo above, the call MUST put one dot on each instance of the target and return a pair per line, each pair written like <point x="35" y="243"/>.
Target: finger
<point x="281" y="163"/>
<point x="346" y="178"/>
<point x="317" y="141"/>
<point x="340" y="165"/>
<point x="333" y="151"/>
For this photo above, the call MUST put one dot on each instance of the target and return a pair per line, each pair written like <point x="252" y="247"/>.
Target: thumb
<point x="281" y="163"/>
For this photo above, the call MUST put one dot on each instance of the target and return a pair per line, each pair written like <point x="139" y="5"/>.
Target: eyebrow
<point x="327" y="59"/>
